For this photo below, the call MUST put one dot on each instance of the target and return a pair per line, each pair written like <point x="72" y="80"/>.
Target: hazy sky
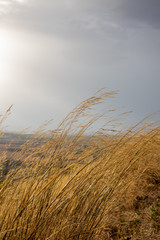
<point x="54" y="54"/>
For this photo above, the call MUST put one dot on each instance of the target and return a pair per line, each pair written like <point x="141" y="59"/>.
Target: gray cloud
<point x="70" y="48"/>
<point x="66" y="18"/>
<point x="141" y="11"/>
<point x="69" y="18"/>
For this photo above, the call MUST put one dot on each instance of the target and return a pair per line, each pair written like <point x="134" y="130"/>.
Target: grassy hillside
<point x="65" y="184"/>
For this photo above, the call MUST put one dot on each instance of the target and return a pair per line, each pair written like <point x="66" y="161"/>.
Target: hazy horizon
<point x="55" y="54"/>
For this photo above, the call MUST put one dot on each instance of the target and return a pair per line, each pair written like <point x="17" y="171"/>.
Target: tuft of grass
<point x="71" y="183"/>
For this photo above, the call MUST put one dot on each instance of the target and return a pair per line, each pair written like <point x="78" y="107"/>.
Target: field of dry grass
<point x="72" y="185"/>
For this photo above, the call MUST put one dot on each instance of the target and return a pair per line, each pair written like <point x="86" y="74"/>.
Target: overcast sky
<point x="54" y="54"/>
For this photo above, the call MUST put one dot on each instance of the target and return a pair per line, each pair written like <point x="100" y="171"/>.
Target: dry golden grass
<point x="76" y="186"/>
